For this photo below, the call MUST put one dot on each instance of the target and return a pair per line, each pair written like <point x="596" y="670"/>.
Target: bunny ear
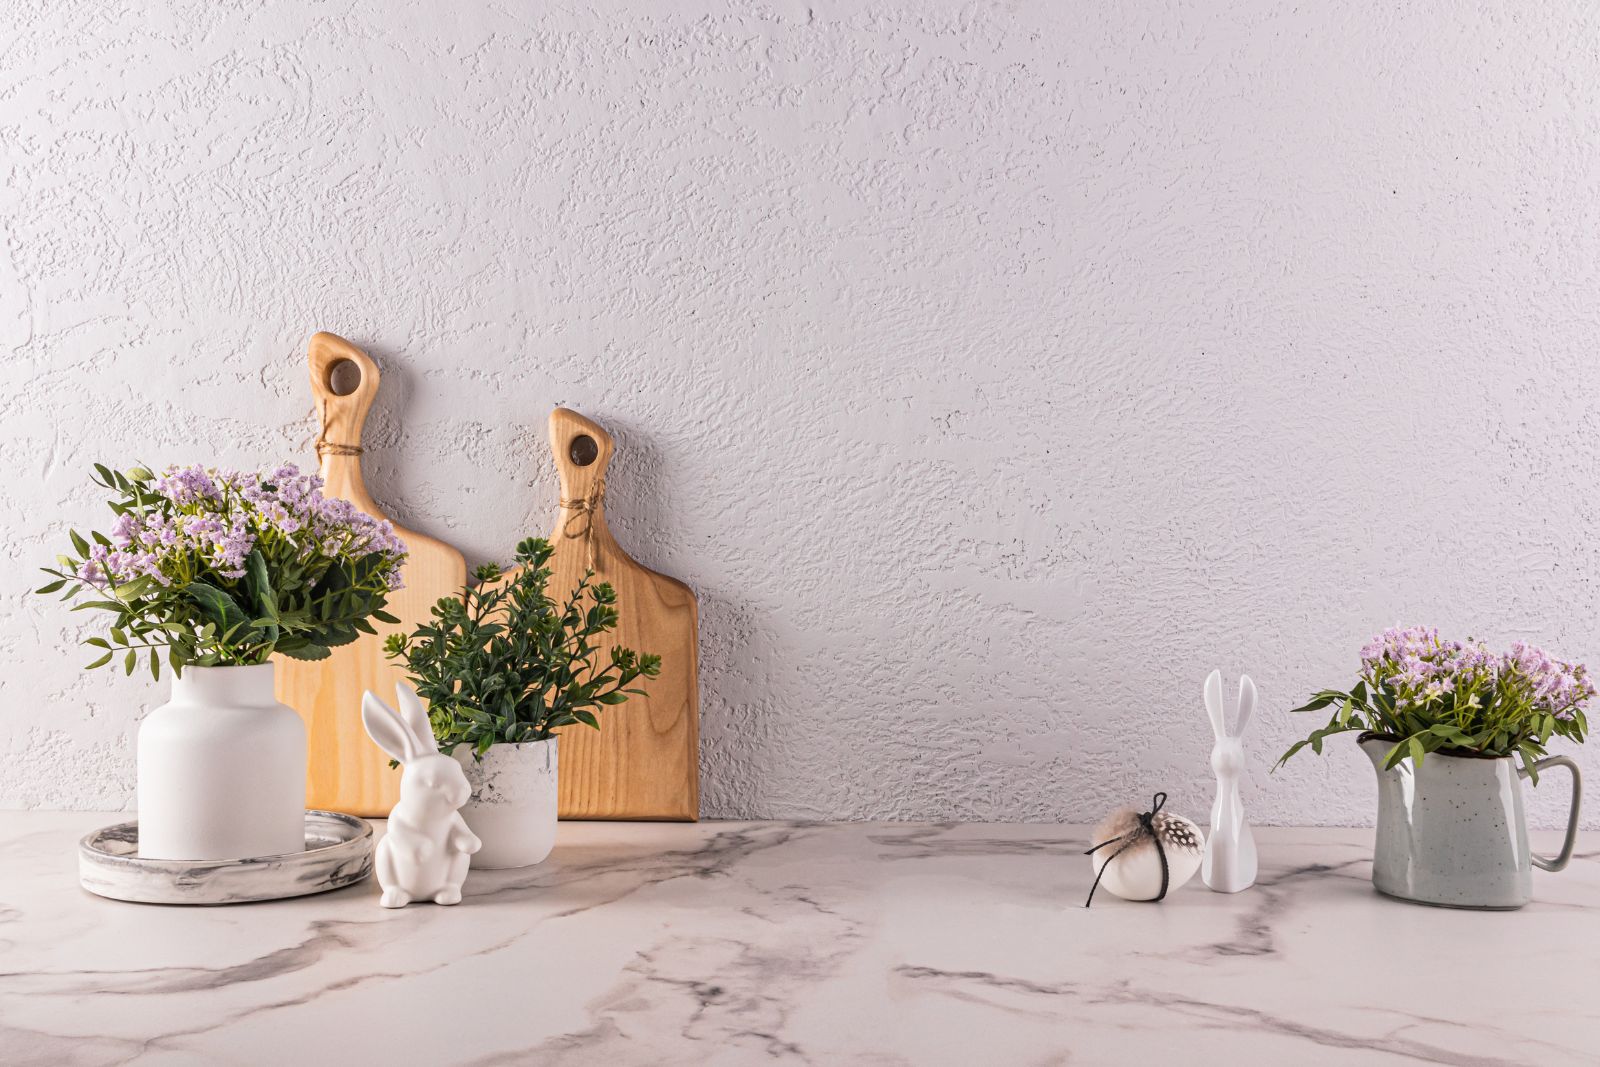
<point x="387" y="729"/>
<point x="1213" y="694"/>
<point x="415" y="717"/>
<point x="1247" y="703"/>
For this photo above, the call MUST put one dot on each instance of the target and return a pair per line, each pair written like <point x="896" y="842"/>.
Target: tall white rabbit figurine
<point x="424" y="854"/>
<point x="1229" y="864"/>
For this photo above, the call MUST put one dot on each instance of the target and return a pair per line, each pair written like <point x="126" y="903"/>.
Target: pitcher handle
<point x="1560" y="861"/>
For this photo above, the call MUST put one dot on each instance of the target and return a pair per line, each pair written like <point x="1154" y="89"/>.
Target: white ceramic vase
<point x="222" y="769"/>
<point x="513" y="805"/>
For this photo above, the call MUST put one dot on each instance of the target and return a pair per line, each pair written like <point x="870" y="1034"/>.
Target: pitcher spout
<point x="1377" y="749"/>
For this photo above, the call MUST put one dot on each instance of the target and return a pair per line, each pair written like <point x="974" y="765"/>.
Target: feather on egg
<point x="1133" y="872"/>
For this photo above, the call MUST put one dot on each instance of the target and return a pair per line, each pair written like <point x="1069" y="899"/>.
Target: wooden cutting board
<point x="644" y="761"/>
<point x="346" y="771"/>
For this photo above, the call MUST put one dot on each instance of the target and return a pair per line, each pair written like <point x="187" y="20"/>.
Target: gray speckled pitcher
<point x="1451" y="833"/>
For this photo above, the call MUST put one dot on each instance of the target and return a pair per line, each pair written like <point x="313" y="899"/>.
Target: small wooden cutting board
<point x="644" y="761"/>
<point x="346" y="771"/>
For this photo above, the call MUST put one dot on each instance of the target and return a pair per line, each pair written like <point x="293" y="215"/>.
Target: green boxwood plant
<point x="504" y="663"/>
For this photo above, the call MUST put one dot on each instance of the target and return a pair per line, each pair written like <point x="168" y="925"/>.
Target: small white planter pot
<point x="222" y="769"/>
<point x="513" y="805"/>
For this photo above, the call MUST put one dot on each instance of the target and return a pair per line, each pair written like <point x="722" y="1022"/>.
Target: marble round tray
<point x="338" y="853"/>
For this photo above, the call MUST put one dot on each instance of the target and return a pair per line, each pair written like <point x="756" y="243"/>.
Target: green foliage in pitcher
<point x="222" y="568"/>
<point x="504" y="662"/>
<point x="1426" y="694"/>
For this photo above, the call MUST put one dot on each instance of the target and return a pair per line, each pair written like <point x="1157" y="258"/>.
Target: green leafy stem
<point x="1466" y="723"/>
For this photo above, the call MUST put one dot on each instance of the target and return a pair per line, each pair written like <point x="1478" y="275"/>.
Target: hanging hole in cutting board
<point x="583" y="450"/>
<point x="344" y="377"/>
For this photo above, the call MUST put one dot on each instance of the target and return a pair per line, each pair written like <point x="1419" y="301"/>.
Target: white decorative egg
<point x="1134" y="872"/>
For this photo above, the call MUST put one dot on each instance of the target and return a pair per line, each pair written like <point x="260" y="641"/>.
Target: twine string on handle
<point x="326" y="447"/>
<point x="1126" y="841"/>
<point x="584" y="507"/>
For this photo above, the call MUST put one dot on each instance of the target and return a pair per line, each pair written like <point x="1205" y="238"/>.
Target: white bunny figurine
<point x="424" y="854"/>
<point x="1229" y="864"/>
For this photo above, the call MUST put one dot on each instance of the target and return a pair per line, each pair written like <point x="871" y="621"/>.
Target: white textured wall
<point x="992" y="371"/>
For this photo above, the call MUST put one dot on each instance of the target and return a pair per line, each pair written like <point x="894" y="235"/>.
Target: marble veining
<point x="732" y="943"/>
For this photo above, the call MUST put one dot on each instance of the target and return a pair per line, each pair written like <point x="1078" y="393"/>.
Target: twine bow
<point x="584" y="507"/>
<point x="1126" y="841"/>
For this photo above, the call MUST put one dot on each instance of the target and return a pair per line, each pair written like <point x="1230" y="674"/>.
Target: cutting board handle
<point x="583" y="452"/>
<point x="337" y="365"/>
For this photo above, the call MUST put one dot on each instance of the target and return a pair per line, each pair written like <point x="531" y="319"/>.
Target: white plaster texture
<point x="992" y="371"/>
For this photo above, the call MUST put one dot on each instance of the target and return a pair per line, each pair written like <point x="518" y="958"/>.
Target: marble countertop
<point x="732" y="943"/>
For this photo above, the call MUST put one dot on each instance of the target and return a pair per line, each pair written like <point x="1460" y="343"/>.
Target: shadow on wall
<point x="383" y="459"/>
<point x="735" y="732"/>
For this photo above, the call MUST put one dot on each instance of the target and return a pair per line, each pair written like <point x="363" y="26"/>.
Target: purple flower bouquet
<point x="1427" y="694"/>
<point x="222" y="568"/>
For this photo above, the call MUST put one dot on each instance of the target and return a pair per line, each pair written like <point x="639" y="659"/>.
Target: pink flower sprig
<point x="219" y="516"/>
